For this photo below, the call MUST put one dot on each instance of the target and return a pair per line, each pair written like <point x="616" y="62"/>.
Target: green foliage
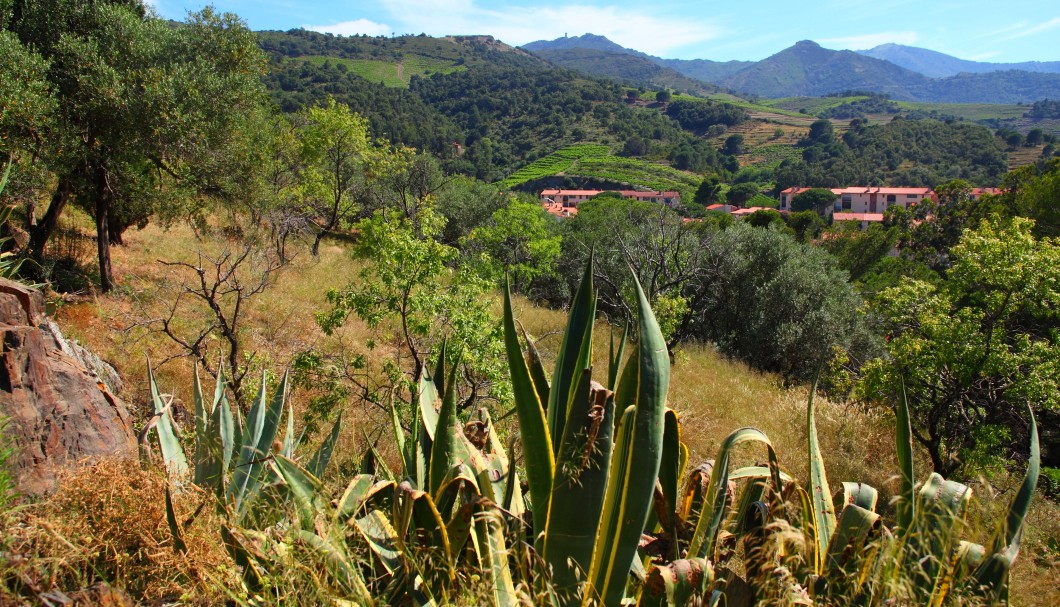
<point x="556" y="162"/>
<point x="335" y="153"/>
<point x="710" y="191"/>
<point x="775" y="303"/>
<point x="901" y="152"/>
<point x="818" y="200"/>
<point x="977" y="347"/>
<point x="523" y="240"/>
<point x="139" y="104"/>
<point x="414" y="288"/>
<point x="859" y="251"/>
<point x="699" y="115"/>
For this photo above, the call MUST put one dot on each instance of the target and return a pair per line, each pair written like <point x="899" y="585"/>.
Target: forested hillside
<point x="491" y="111"/>
<point x="900" y="152"/>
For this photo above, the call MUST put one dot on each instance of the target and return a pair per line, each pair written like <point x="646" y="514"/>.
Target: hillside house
<point x="571" y="198"/>
<point x="862" y="199"/>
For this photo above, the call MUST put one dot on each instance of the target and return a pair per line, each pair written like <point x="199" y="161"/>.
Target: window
<point x="846" y="201"/>
<point x="911" y="196"/>
<point x="891" y="198"/>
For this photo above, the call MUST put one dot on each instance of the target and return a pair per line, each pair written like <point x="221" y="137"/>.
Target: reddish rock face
<point x="58" y="412"/>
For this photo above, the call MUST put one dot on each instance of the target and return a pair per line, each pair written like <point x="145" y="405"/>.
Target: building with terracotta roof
<point x="865" y="199"/>
<point x="571" y="198"/>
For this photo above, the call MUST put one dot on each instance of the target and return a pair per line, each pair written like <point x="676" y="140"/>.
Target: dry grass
<point x="107" y="522"/>
<point x="713" y="395"/>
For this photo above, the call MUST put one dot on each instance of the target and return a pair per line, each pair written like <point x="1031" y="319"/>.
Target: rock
<point x="58" y="412"/>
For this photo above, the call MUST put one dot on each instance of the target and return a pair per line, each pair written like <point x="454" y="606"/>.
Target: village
<point x="863" y="204"/>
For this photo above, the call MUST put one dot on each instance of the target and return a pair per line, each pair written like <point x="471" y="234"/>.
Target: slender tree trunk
<point x="44" y="229"/>
<point x="106" y="277"/>
<point x="115" y="230"/>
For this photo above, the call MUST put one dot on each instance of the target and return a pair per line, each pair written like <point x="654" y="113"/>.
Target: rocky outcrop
<point x="58" y="411"/>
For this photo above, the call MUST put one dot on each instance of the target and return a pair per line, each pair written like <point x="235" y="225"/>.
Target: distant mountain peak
<point x="940" y="65"/>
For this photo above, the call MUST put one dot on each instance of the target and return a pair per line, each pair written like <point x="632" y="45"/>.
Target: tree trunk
<point x="106" y="277"/>
<point x="115" y="230"/>
<point x="44" y="229"/>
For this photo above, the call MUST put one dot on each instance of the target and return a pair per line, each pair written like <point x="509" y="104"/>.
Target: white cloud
<point x="349" y="28"/>
<point x="1020" y="30"/>
<point x="867" y="41"/>
<point x="652" y="33"/>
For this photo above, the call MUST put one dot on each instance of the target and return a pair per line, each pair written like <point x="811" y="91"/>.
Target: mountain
<point x="808" y="70"/>
<point x="587" y="41"/>
<point x="631" y="69"/>
<point x="570" y="52"/>
<point x="939" y="65"/>
<point x="704" y="69"/>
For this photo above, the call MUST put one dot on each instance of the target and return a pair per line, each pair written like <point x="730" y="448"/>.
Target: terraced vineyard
<point x="390" y="73"/>
<point x="659" y="177"/>
<point x="555" y="163"/>
<point x="596" y="161"/>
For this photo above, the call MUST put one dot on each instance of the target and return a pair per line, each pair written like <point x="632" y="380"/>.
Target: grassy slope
<point x="713" y="395"/>
<point x="390" y="73"/>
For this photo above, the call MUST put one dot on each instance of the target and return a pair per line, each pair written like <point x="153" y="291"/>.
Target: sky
<point x="979" y="30"/>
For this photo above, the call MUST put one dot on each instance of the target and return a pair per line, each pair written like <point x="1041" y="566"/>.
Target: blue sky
<point x="982" y="30"/>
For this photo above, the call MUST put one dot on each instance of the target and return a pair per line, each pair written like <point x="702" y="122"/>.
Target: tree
<point x="335" y="150"/>
<point x="400" y="290"/>
<point x="777" y="304"/>
<point x="974" y="351"/>
<point x="734" y="144"/>
<point x="740" y="193"/>
<point x="818" y="200"/>
<point x="709" y="191"/>
<point x="139" y="103"/>
<point x="821" y="131"/>
<point x="663" y="96"/>
<point x="523" y="238"/>
<point x="662" y="250"/>
<point x="807" y="225"/>
<point x="1035" y="137"/>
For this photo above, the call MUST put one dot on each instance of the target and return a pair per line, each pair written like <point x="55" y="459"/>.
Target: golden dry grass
<point x="107" y="522"/>
<point x="713" y="395"/>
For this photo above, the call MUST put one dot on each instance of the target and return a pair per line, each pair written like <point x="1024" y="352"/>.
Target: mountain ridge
<point x="940" y="65"/>
<point x="808" y="69"/>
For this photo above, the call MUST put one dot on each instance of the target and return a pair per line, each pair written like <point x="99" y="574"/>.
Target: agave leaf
<point x="338" y="564"/>
<point x="305" y="488"/>
<point x="319" y="462"/>
<point x="439" y="375"/>
<point x="208" y="440"/>
<point x="856" y="527"/>
<point x="758" y="472"/>
<point x="226" y="424"/>
<point x="244" y="557"/>
<point x="940" y="507"/>
<point x="614" y="358"/>
<point x="381" y="538"/>
<point x="670" y="471"/>
<point x="168" y="442"/>
<point x="860" y="494"/>
<point x="492" y="553"/>
<point x="408" y="458"/>
<point x="906" y="506"/>
<point x="821" y="494"/>
<point x="263" y="425"/>
<point x="446" y="451"/>
<point x="704" y="538"/>
<point x="533" y="428"/>
<point x="629" y="493"/>
<point x="537" y="370"/>
<point x="677" y="583"/>
<point x="353" y="497"/>
<point x="174" y="528"/>
<point x="289" y="439"/>
<point x="991" y="577"/>
<point x="578" y="489"/>
<point x="427" y="417"/>
<point x="579" y="328"/>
